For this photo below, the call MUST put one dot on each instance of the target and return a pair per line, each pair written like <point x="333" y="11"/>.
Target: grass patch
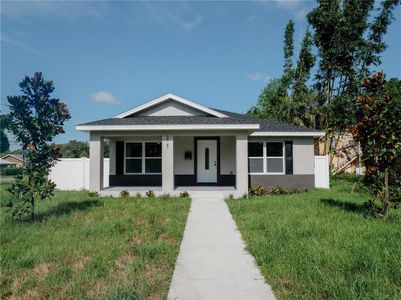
<point x="92" y="248"/>
<point x="322" y="244"/>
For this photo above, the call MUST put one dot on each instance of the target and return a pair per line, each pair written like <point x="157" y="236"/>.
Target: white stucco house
<point x="171" y="142"/>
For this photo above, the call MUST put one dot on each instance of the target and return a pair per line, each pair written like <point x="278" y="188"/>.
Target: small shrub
<point x="184" y="194"/>
<point x="278" y="190"/>
<point x="138" y="195"/>
<point x="295" y="191"/>
<point x="11" y="171"/>
<point x="93" y="194"/>
<point x="258" y="191"/>
<point x="150" y="194"/>
<point x="124" y="193"/>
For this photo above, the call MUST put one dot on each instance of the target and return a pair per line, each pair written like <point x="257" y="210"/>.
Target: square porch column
<point x="112" y="157"/>
<point x="241" y="156"/>
<point x="95" y="162"/>
<point x="167" y="164"/>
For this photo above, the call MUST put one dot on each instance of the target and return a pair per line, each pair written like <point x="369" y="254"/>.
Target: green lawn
<point x="92" y="248"/>
<point x="321" y="245"/>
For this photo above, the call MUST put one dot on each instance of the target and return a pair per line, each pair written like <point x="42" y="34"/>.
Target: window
<point x="274" y="157"/>
<point x="255" y="153"/>
<point x="206" y="158"/>
<point x="143" y="157"/>
<point x="266" y="157"/>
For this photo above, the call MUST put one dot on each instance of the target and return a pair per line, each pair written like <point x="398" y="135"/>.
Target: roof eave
<point x="289" y="133"/>
<point x="186" y="127"/>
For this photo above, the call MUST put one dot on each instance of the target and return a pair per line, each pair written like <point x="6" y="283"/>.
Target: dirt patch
<point x="168" y="239"/>
<point x="124" y="260"/>
<point x="79" y="263"/>
<point x="123" y="264"/>
<point x="43" y="269"/>
<point x="288" y="284"/>
<point x="140" y="222"/>
<point x="97" y="290"/>
<point x="135" y="240"/>
<point x="31" y="294"/>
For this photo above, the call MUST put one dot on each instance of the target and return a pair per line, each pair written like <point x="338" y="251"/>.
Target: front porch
<point x="170" y="164"/>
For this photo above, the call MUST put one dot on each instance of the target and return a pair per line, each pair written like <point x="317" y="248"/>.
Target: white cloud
<point x="179" y="14"/>
<point x="104" y="98"/>
<point x="5" y="38"/>
<point x="258" y="77"/>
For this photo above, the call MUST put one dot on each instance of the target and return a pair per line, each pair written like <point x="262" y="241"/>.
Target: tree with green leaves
<point x="74" y="149"/>
<point x="35" y="119"/>
<point x="288" y="75"/>
<point x="4" y="125"/>
<point x="378" y="129"/>
<point x="303" y="98"/>
<point x="349" y="40"/>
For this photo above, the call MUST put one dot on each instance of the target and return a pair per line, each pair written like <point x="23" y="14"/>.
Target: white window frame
<point x="265" y="157"/>
<point x="143" y="157"/>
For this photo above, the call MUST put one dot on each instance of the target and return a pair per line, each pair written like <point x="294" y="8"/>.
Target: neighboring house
<point x="173" y="142"/>
<point x="346" y="156"/>
<point x="12" y="160"/>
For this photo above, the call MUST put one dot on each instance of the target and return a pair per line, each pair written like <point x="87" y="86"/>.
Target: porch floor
<point x="192" y="190"/>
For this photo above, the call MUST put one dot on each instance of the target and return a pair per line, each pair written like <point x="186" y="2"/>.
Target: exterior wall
<point x="171" y="108"/>
<point x="227" y="155"/>
<point x="286" y="181"/>
<point x="303" y="156"/>
<point x="303" y="166"/>
<point x="181" y="145"/>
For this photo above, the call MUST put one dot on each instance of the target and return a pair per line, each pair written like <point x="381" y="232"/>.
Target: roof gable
<point x="170" y="105"/>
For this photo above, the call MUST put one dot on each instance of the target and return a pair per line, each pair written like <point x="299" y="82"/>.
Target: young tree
<point x="288" y="76"/>
<point x="378" y="129"/>
<point x="35" y="119"/>
<point x="4" y="143"/>
<point x="303" y="98"/>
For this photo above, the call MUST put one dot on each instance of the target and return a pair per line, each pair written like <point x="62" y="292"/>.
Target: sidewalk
<point x="213" y="262"/>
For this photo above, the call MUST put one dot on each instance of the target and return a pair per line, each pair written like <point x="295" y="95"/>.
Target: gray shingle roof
<point x="233" y="118"/>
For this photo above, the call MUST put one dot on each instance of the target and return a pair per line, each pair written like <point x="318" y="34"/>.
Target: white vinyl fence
<point x="322" y="175"/>
<point x="73" y="173"/>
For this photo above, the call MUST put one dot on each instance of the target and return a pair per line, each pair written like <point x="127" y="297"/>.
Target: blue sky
<point x="107" y="57"/>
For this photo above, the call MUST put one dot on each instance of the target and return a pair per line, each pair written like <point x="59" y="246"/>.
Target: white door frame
<point x="210" y="177"/>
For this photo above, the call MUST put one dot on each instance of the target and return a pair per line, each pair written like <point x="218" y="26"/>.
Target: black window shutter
<point x="288" y="158"/>
<point x="119" y="158"/>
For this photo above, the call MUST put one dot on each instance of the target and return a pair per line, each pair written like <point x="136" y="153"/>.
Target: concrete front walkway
<point x="212" y="262"/>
